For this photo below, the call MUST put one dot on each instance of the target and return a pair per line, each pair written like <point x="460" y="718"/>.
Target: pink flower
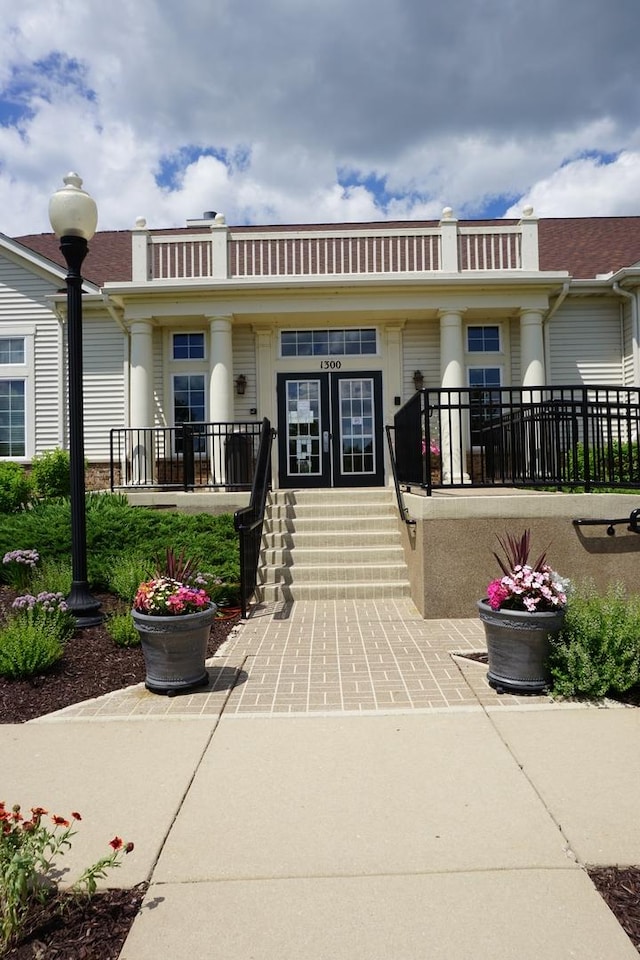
<point x="497" y="593"/>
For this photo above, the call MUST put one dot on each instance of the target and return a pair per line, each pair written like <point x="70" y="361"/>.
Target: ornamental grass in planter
<point x="522" y="611"/>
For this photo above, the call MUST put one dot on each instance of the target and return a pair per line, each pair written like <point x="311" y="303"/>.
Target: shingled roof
<point x="584" y="246"/>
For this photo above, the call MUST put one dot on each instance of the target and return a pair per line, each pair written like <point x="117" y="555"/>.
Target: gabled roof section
<point x="586" y="247"/>
<point x="589" y="246"/>
<point x="109" y="256"/>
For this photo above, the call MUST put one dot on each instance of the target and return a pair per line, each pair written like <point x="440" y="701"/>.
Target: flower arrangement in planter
<point x="525" y="586"/>
<point x="522" y="611"/>
<point x="173" y="616"/>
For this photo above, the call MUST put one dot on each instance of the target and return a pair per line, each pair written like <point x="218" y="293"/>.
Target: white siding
<point x="160" y="417"/>
<point x="103" y="348"/>
<point x="420" y="351"/>
<point x="244" y="361"/>
<point x="514" y="355"/>
<point x="585" y="342"/>
<point x="627" y="338"/>
<point x="22" y="301"/>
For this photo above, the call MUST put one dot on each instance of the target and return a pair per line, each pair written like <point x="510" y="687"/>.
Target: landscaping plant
<point x="51" y="474"/>
<point x="29" y="848"/>
<point x="597" y="651"/>
<point x="122" y="631"/>
<point x="15" y="487"/>
<point x="18" y="567"/>
<point x="33" y="637"/>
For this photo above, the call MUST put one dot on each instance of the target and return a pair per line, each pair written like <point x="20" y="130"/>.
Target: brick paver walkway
<point x="340" y="656"/>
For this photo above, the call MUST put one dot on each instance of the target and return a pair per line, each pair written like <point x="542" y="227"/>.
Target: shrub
<point x="52" y="576"/>
<point x="15" y="488"/>
<point x="126" y="572"/>
<point x="598" y="648"/>
<point x="33" y="638"/>
<point x="122" y="631"/>
<point x="51" y="474"/>
<point x="18" y="567"/>
<point x="28" y="648"/>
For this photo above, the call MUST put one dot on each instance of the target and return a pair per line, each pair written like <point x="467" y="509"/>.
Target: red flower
<point x="28" y="826"/>
<point x="128" y="848"/>
<point x="39" y="812"/>
<point x="59" y="821"/>
<point x="76" y="815"/>
<point x="116" y="843"/>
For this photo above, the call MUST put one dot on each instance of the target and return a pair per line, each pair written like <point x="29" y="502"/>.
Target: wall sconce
<point x="418" y="380"/>
<point x="241" y="385"/>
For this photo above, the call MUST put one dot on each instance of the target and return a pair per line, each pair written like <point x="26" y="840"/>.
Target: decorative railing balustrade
<point x="221" y="253"/>
<point x="191" y="456"/>
<point x="570" y="437"/>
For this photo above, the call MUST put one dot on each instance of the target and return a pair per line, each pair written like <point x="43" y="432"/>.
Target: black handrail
<point x="248" y="520"/>
<point x="632" y="521"/>
<point x="404" y="512"/>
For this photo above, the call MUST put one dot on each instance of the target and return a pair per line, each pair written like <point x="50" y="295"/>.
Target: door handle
<point x="325" y="441"/>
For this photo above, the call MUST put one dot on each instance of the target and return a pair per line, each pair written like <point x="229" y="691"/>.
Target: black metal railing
<point x="402" y="509"/>
<point x="564" y="437"/>
<point x="189" y="456"/>
<point x="248" y="521"/>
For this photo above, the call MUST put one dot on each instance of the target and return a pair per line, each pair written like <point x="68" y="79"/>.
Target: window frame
<point x="22" y="372"/>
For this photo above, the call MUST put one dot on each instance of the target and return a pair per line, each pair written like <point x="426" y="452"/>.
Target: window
<point x="188" y="346"/>
<point x="188" y="398"/>
<point x="327" y="343"/>
<point x="11" y="350"/>
<point x="12" y="418"/>
<point x="483" y="339"/>
<point x="484" y="401"/>
<point x="14" y="395"/>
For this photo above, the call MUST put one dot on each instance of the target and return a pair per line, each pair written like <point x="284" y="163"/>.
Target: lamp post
<point x="74" y="217"/>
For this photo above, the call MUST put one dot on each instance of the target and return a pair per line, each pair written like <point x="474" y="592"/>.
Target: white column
<point x="141" y="400"/>
<point x="531" y="348"/>
<point x="220" y="387"/>
<point x="452" y="376"/>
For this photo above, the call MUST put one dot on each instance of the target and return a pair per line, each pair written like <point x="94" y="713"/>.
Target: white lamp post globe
<point x="72" y="212"/>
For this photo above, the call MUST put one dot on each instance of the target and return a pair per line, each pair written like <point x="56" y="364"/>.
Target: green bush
<point x="126" y="573"/>
<point x="617" y="463"/>
<point x="598" y="649"/>
<point x="210" y="540"/>
<point x="15" y="488"/>
<point x="28" y="648"/>
<point x="51" y="474"/>
<point x="122" y="631"/>
<point x="52" y="576"/>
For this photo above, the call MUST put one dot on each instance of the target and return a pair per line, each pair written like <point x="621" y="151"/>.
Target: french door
<point x="330" y="429"/>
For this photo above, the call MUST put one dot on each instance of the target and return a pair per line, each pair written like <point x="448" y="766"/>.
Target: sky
<point x="298" y="111"/>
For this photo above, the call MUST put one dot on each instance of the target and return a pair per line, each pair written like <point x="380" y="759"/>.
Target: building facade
<point x="326" y="330"/>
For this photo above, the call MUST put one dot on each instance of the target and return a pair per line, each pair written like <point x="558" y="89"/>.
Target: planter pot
<point x="175" y="649"/>
<point x="518" y="647"/>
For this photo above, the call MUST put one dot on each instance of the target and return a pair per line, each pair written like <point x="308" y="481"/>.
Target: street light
<point x="74" y="217"/>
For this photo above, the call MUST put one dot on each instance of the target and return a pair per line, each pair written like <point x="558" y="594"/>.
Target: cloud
<point x="277" y="110"/>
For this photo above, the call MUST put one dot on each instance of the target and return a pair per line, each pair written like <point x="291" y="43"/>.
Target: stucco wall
<point x="450" y="551"/>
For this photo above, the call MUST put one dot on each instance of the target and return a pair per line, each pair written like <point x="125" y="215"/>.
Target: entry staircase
<point x="332" y="545"/>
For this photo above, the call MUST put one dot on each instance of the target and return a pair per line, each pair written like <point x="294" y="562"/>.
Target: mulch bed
<point x="619" y="887"/>
<point x="92" y="665"/>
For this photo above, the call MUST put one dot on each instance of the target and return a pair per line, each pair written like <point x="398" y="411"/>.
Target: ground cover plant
<point x="597" y="652"/>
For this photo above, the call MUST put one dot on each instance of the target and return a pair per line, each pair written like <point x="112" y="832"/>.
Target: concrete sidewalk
<point x="401" y="833"/>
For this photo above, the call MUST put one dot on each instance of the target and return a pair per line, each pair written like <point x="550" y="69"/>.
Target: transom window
<point x="188" y="346"/>
<point x="12" y="418"/>
<point x="327" y="343"/>
<point x="483" y="339"/>
<point x="12" y="350"/>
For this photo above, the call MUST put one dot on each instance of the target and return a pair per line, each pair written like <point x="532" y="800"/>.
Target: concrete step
<point x="365" y="573"/>
<point x="332" y="556"/>
<point x="304" y="525"/>
<point x="274" y="592"/>
<point x="318" y="539"/>
<point x="321" y="496"/>
<point x="306" y="511"/>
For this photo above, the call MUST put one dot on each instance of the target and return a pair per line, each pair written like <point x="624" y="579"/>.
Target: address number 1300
<point x="330" y="364"/>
